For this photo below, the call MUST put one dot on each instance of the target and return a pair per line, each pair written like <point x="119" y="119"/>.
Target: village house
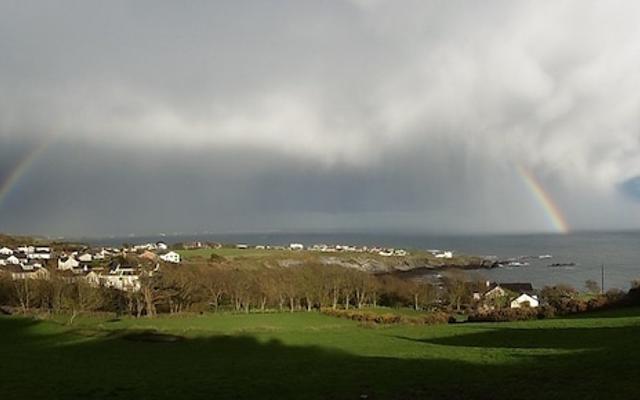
<point x="84" y="257"/>
<point x="171" y="257"/>
<point x="525" y="300"/>
<point x="120" y="276"/>
<point x="5" y="251"/>
<point x="68" y="263"/>
<point x="121" y="280"/>
<point x="12" y="260"/>
<point x="19" y="273"/>
<point x="26" y="249"/>
<point x="517" y="295"/>
<point x="40" y="253"/>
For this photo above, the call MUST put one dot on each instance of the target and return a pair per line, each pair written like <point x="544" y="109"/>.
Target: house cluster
<point x="382" y="251"/>
<point x="155" y="251"/>
<point x="119" y="268"/>
<point x="121" y="275"/>
<point x="324" y="248"/>
<point x="513" y="295"/>
<point x="25" y="262"/>
<point x="195" y="245"/>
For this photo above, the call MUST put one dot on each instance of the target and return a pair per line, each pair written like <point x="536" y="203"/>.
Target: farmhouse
<point x="517" y="294"/>
<point x="525" y="300"/>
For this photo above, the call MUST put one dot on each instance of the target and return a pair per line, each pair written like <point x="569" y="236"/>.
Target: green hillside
<point x="312" y="356"/>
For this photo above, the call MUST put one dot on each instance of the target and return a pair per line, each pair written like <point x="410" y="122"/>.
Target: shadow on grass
<point x="147" y="365"/>
<point x="595" y="338"/>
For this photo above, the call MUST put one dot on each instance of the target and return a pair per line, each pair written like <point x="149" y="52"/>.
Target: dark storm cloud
<point x="304" y="115"/>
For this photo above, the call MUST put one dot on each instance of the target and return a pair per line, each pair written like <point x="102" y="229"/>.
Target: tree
<point x="24" y="293"/>
<point x="456" y="288"/>
<point x="592" y="286"/>
<point x="81" y="297"/>
<point x="214" y="282"/>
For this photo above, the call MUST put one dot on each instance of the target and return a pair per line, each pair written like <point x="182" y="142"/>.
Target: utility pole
<point x="602" y="279"/>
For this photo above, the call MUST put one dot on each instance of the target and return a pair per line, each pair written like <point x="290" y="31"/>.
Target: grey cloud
<point x="303" y="114"/>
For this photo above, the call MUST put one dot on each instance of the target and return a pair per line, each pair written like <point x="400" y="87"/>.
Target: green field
<point x="312" y="356"/>
<point x="231" y="253"/>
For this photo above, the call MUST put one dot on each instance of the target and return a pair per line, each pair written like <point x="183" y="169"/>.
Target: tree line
<point x="225" y="286"/>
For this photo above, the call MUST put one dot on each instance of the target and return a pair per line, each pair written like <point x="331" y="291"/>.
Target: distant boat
<point x="544" y="256"/>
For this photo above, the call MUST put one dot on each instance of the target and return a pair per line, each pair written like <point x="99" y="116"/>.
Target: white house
<point x="26" y="249"/>
<point x="296" y="246"/>
<point x="5" y="251"/>
<point x="120" y="281"/>
<point x="40" y="253"/>
<point x="445" y="254"/>
<point x="525" y="300"/>
<point x="85" y="257"/>
<point x="171" y="257"/>
<point x="12" y="260"/>
<point x="162" y="246"/>
<point x="39" y="256"/>
<point x="67" y="263"/>
<point x="36" y="273"/>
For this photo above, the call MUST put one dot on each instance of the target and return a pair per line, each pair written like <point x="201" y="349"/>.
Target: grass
<point x="416" y="258"/>
<point x="408" y="312"/>
<point x="232" y="253"/>
<point x="312" y="356"/>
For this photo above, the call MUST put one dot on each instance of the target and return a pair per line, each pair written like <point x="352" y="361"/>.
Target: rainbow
<point x="21" y="169"/>
<point x="551" y="209"/>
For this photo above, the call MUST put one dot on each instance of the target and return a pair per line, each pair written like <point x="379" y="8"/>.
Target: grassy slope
<point x="416" y="258"/>
<point x="314" y="356"/>
<point x="230" y="253"/>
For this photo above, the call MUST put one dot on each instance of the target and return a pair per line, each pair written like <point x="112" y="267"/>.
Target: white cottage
<point x="525" y="300"/>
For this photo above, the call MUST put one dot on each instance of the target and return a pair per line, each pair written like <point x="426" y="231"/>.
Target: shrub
<point x="387" y="318"/>
<point x="505" y="315"/>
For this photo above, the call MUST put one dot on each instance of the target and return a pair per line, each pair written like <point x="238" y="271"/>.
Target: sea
<point x="609" y="257"/>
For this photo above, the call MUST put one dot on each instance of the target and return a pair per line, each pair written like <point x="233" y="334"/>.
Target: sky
<point x="142" y="117"/>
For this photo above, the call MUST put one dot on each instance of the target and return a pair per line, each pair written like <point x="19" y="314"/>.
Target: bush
<point x="387" y="318"/>
<point x="216" y="257"/>
<point x="505" y="315"/>
<point x="598" y="302"/>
